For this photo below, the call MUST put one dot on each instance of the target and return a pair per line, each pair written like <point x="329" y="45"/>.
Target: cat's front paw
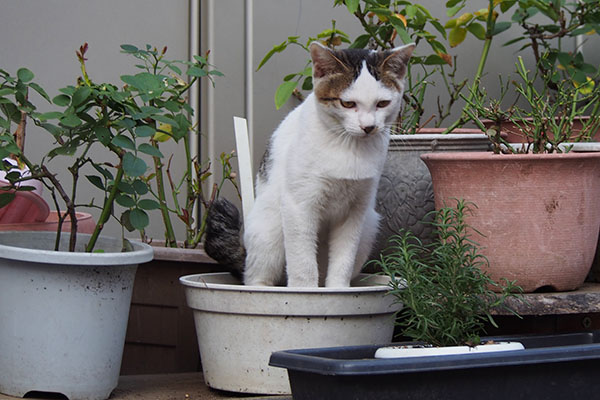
<point x="337" y="283"/>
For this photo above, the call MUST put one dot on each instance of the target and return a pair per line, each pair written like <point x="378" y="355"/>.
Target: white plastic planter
<point x="63" y="316"/>
<point x="424" y="351"/>
<point x="239" y="326"/>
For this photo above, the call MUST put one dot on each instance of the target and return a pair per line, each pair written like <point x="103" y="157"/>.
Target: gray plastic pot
<point x="405" y="193"/>
<point x="239" y="326"/>
<point x="63" y="316"/>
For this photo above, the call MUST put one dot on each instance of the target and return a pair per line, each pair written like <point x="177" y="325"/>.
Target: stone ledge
<point x="585" y="300"/>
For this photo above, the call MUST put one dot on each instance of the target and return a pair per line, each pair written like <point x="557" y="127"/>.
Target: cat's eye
<point x="347" y="104"/>
<point x="383" y="103"/>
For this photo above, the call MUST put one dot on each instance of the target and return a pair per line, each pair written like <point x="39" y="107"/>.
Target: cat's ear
<point x="324" y="61"/>
<point x="396" y="63"/>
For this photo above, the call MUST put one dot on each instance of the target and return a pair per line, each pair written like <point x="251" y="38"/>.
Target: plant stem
<point x="106" y="210"/>
<point x="190" y="193"/>
<point x="490" y="26"/>
<point x="170" y="240"/>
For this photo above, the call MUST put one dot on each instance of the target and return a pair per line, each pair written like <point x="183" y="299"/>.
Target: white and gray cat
<point x="314" y="220"/>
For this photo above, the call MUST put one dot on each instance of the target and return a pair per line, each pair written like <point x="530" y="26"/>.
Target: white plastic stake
<point x="244" y="163"/>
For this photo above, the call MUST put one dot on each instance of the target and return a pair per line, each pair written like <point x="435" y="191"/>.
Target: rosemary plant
<point x="447" y="295"/>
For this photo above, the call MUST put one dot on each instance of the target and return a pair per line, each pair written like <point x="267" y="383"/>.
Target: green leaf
<point x="145" y="131"/>
<point x="451" y="12"/>
<point x="457" y="36"/>
<point x="174" y="68"/>
<point x="96" y="181"/>
<point x="434" y="59"/>
<point x="404" y="36"/>
<point x="276" y="49"/>
<point x="284" y="92"/>
<point x="477" y="30"/>
<point x="25" y="75"/>
<point x="501" y="27"/>
<point x="50" y="115"/>
<point x="105" y="172"/>
<point x="166" y="120"/>
<point x="140" y="187"/>
<point x="565" y="59"/>
<point x="307" y="84"/>
<point x="62" y="100"/>
<point x="102" y="134"/>
<point x="214" y="72"/>
<point x="439" y="27"/>
<point x="6" y="198"/>
<point x="133" y="166"/>
<point x="149" y="110"/>
<point x="69" y="90"/>
<point x="196" y="71"/>
<point x="150" y="150"/>
<point x="148" y="204"/>
<point x="126" y="187"/>
<point x="40" y="90"/>
<point x="123" y="142"/>
<point x="506" y="5"/>
<point x="352" y="6"/>
<point x="70" y="121"/>
<point x="361" y="42"/>
<point x="125" y="221"/>
<point x="124" y="200"/>
<point x="126" y="123"/>
<point x="53" y="129"/>
<point x="138" y="218"/>
<point x="80" y="95"/>
<point x="129" y="48"/>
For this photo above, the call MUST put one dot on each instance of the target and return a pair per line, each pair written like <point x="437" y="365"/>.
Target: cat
<point x="314" y="220"/>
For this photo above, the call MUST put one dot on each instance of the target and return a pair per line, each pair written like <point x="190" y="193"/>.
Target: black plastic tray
<point x="551" y="367"/>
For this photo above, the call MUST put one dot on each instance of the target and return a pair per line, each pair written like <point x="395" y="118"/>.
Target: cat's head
<point x="361" y="89"/>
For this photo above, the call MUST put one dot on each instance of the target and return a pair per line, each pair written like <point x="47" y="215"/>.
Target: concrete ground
<point x="188" y="386"/>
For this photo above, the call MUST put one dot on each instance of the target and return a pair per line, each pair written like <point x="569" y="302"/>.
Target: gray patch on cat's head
<point x="335" y="70"/>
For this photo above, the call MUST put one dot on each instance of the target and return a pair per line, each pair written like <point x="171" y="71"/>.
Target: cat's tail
<point x="222" y="240"/>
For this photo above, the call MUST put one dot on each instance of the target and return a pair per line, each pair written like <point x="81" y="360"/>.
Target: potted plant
<point x="67" y="295"/>
<point x="239" y="326"/>
<point x="178" y="197"/>
<point x="549" y="29"/>
<point x="446" y="293"/>
<point x="447" y="297"/>
<point x="542" y="370"/>
<point x="535" y="208"/>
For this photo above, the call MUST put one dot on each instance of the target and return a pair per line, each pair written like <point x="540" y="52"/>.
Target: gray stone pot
<point x="405" y="193"/>
<point x="63" y="316"/>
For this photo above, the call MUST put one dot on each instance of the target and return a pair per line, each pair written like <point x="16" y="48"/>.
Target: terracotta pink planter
<point x="540" y="213"/>
<point x="85" y="224"/>
<point x="26" y="207"/>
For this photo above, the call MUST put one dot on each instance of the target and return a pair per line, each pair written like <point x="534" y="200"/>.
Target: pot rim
<point x="491" y="156"/>
<point x="141" y="253"/>
<point x="439" y="136"/>
<point x="197" y="281"/>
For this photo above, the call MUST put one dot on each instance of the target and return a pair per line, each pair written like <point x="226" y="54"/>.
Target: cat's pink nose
<point x="368" y="129"/>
